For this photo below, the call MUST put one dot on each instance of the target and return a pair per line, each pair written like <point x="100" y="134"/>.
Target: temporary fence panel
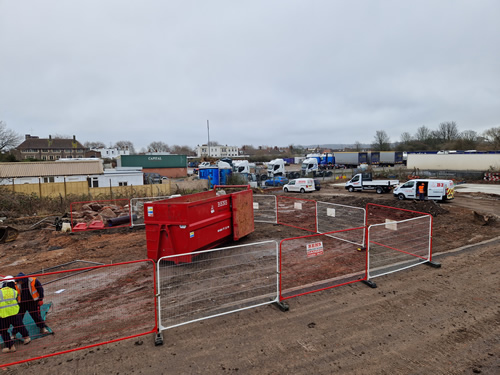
<point x="377" y="214"/>
<point x="337" y="217"/>
<point x="91" y="306"/>
<point x="397" y="245"/>
<point x="103" y="214"/>
<point x="216" y="282"/>
<point x="136" y="209"/>
<point x="297" y="213"/>
<point x="320" y="261"/>
<point x="265" y="208"/>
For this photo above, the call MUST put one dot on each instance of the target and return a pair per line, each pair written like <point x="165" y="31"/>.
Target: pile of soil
<point x="421" y="320"/>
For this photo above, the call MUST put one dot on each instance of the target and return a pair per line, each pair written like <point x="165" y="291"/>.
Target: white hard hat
<point x="7" y="279"/>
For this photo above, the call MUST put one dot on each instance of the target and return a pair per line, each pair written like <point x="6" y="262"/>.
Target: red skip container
<point x="194" y="222"/>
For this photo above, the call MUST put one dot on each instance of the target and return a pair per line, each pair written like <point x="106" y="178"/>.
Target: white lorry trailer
<point x="441" y="190"/>
<point x="364" y="181"/>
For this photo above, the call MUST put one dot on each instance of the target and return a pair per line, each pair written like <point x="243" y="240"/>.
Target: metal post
<point x="208" y="143"/>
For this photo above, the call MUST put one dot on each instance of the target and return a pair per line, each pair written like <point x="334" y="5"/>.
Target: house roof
<point x="51" y="168"/>
<point x="59" y="143"/>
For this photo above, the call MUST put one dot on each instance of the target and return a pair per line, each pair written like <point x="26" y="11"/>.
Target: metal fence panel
<point x="377" y="214"/>
<point x="297" y="213"/>
<point x="136" y="209"/>
<point x="91" y="306"/>
<point x="104" y="214"/>
<point x="397" y="245"/>
<point x="217" y="282"/>
<point x="337" y="217"/>
<point x="320" y="261"/>
<point x="264" y="208"/>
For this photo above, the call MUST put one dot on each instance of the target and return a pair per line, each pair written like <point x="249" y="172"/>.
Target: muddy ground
<point x="419" y="321"/>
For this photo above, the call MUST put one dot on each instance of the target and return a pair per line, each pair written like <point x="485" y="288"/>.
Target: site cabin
<point x="364" y="181"/>
<point x="440" y="190"/>
<point x="301" y="185"/>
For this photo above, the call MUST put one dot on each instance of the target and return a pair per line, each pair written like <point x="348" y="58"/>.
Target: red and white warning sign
<point x="314" y="249"/>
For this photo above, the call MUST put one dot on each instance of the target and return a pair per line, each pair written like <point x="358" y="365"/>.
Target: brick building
<point x="49" y="149"/>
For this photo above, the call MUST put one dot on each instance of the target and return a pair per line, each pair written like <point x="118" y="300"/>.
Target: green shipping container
<point x="152" y="161"/>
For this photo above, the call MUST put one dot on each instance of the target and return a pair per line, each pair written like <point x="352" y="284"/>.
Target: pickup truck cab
<point x="441" y="190"/>
<point x="364" y="181"/>
<point x="301" y="185"/>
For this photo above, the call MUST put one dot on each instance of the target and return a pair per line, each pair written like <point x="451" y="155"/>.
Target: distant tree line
<point x="446" y="137"/>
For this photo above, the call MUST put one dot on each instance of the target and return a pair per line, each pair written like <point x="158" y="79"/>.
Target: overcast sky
<point x="263" y="72"/>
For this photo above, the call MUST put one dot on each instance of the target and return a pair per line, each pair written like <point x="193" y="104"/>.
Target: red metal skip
<point x="198" y="221"/>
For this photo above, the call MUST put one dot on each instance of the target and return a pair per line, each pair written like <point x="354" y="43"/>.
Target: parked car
<point x="277" y="181"/>
<point x="317" y="184"/>
<point x="153" y="178"/>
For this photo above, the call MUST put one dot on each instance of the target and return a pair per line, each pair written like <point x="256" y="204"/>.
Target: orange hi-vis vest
<point x="33" y="291"/>
<point x="421" y="189"/>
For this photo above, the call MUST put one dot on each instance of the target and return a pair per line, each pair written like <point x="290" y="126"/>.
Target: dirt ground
<point x="420" y="321"/>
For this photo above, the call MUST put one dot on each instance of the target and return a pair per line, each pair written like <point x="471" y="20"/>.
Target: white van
<point x="441" y="190"/>
<point x="300" y="184"/>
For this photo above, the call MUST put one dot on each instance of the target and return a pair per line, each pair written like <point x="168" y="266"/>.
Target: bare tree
<point x="124" y="145"/>
<point x="182" y="150"/>
<point x="406" y="138"/>
<point x="423" y="134"/>
<point x="94" y="145"/>
<point x="447" y="132"/>
<point x="357" y="146"/>
<point x="382" y="141"/>
<point x="61" y="136"/>
<point x="493" y="137"/>
<point x="469" y="139"/>
<point x="159" y="147"/>
<point x="8" y="138"/>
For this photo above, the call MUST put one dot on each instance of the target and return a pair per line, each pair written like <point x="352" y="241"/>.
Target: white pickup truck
<point x="363" y="181"/>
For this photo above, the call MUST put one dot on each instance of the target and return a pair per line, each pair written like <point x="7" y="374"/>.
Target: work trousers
<point x="17" y="322"/>
<point x="34" y="309"/>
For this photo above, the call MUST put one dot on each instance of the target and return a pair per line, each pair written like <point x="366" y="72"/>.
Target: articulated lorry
<point x="243" y="166"/>
<point x="276" y="167"/>
<point x="364" y="181"/>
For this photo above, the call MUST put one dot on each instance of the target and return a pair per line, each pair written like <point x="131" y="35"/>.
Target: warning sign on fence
<point x="314" y="249"/>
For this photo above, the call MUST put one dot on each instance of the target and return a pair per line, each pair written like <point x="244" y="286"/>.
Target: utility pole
<point x="208" y="144"/>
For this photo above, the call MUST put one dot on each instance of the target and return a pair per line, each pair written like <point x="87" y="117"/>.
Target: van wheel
<point x="351" y="189"/>
<point x="380" y="190"/>
<point x="286" y="190"/>
<point x="401" y="197"/>
<point x="302" y="190"/>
